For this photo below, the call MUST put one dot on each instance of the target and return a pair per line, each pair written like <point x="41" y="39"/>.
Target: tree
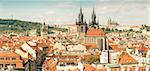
<point x="107" y="29"/>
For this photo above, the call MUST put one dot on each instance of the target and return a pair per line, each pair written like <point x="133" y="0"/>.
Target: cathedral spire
<point x="80" y="9"/>
<point x="93" y="11"/>
<point x="80" y="17"/>
<point x="81" y="23"/>
<point x="93" y="16"/>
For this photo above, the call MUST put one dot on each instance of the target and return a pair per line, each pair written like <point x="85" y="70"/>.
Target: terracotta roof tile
<point x="8" y="54"/>
<point x="126" y="59"/>
<point x="143" y="48"/>
<point x="95" y="32"/>
<point x="88" y="67"/>
<point x="115" y="47"/>
<point x="88" y="45"/>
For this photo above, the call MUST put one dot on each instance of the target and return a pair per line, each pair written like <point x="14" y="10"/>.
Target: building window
<point x="7" y="58"/>
<point x="1" y="65"/>
<point x="14" y="65"/>
<point x="1" y="58"/>
<point x="13" y="58"/>
<point x="6" y="65"/>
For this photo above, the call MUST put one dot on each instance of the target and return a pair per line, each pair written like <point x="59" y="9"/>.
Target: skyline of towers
<point x="82" y="25"/>
<point x="94" y="20"/>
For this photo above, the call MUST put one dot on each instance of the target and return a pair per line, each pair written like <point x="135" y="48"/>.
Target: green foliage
<point x="93" y="60"/>
<point x="122" y="42"/>
<point x="9" y="25"/>
<point x="58" y="29"/>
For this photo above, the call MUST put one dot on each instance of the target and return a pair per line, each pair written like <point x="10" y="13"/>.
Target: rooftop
<point x="95" y="32"/>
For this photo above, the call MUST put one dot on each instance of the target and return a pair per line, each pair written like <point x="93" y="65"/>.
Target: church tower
<point x="81" y="24"/>
<point x="44" y="31"/>
<point x="93" y="17"/>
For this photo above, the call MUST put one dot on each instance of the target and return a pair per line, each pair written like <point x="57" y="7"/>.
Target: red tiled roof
<point x="88" y="45"/>
<point x="95" y="32"/>
<point x="142" y="48"/>
<point x="41" y="45"/>
<point x="126" y="59"/>
<point x="88" y="67"/>
<point x="115" y="47"/>
<point x="8" y="54"/>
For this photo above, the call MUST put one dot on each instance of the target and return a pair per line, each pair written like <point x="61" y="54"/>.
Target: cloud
<point x="66" y="11"/>
<point x="50" y="12"/>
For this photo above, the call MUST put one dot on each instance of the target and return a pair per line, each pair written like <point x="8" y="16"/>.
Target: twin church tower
<point x="82" y="25"/>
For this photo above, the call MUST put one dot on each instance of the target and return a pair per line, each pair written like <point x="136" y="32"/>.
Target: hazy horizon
<point x="125" y="12"/>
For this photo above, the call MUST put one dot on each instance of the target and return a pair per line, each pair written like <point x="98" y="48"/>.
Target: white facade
<point x="104" y="57"/>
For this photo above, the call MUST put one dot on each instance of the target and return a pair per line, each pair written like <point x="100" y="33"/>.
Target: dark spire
<point x="80" y="9"/>
<point x="80" y="17"/>
<point x="93" y="11"/>
<point x="93" y="15"/>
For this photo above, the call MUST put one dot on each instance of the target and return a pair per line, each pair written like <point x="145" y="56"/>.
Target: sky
<point x="125" y="12"/>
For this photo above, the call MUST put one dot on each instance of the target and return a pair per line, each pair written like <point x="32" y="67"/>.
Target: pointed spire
<point x="80" y="17"/>
<point x="93" y="10"/>
<point x="93" y="17"/>
<point x="80" y="9"/>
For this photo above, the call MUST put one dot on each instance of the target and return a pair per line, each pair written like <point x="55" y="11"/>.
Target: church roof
<point x="95" y="32"/>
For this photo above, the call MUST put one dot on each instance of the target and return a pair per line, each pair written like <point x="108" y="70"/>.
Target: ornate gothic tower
<point x="81" y="25"/>
<point x="93" y="17"/>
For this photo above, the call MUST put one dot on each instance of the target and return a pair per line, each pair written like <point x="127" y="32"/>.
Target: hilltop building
<point x="110" y="22"/>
